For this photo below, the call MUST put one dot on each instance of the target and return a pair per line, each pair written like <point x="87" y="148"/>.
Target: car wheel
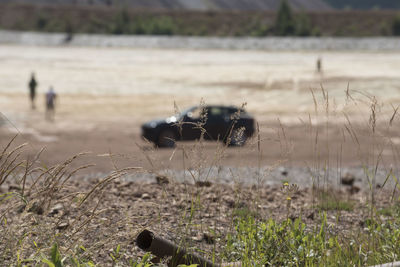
<point x="166" y="138"/>
<point x="237" y="138"/>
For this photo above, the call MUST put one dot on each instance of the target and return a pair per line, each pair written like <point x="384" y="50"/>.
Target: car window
<point x="217" y="112"/>
<point x="195" y="113"/>
<point x="232" y="111"/>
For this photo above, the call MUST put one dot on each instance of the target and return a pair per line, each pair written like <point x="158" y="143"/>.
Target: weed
<point x="328" y="200"/>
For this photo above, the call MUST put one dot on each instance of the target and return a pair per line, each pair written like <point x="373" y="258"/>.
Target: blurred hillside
<point x="270" y="5"/>
<point x="81" y="17"/>
<point x="188" y="4"/>
<point x="364" y="4"/>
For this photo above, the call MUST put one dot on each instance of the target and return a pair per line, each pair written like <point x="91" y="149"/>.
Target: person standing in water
<point x="32" y="90"/>
<point x="50" y="104"/>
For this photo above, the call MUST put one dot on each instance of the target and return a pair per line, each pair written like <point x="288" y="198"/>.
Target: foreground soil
<point x="89" y="219"/>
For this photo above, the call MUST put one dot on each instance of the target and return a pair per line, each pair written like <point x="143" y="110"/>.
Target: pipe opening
<point x="144" y="239"/>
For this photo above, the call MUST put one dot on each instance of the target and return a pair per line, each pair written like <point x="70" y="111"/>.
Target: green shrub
<point x="303" y="25"/>
<point x="41" y="22"/>
<point x="290" y="243"/>
<point x="316" y="31"/>
<point x="277" y="244"/>
<point x="161" y="26"/>
<point x="396" y="26"/>
<point x="121" y="22"/>
<point x="285" y="23"/>
<point x="154" y="25"/>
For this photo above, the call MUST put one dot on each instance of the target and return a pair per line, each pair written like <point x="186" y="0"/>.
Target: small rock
<point x="230" y="201"/>
<point x="209" y="239"/>
<point x="283" y="171"/>
<point x="198" y="238"/>
<point x="115" y="191"/>
<point x="63" y="225"/>
<point x="146" y="196"/>
<point x="212" y="197"/>
<point x="137" y="194"/>
<point x="354" y="189"/>
<point x="36" y="208"/>
<point x="203" y="183"/>
<point x="127" y="184"/>
<point x="14" y="187"/>
<point x="162" y="179"/>
<point x="348" y="179"/>
<point x="56" y="209"/>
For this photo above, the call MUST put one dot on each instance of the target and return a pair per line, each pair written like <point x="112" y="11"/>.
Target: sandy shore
<point x="105" y="94"/>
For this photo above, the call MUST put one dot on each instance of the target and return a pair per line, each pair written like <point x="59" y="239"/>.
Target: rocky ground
<point x="100" y="214"/>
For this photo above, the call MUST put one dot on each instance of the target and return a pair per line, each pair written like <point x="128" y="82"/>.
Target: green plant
<point x="329" y="201"/>
<point x="55" y="257"/>
<point x="273" y="243"/>
<point x="144" y="262"/>
<point x="116" y="254"/>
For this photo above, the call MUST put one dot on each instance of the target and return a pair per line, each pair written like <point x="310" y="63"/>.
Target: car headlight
<point x="171" y="119"/>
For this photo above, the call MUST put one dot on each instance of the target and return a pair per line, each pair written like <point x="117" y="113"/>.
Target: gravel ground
<point x="199" y="215"/>
<point x="177" y="42"/>
<point x="265" y="176"/>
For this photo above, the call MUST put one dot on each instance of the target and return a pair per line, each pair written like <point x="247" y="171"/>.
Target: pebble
<point x="14" y="187"/>
<point x="208" y="238"/>
<point x="203" y="183"/>
<point x="137" y="194"/>
<point x="63" y="225"/>
<point x="146" y="196"/>
<point x="162" y="179"/>
<point x="348" y="179"/>
<point x="56" y="209"/>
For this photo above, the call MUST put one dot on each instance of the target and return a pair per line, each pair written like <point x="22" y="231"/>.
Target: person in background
<point x="319" y="65"/>
<point x="50" y="104"/>
<point x="32" y="90"/>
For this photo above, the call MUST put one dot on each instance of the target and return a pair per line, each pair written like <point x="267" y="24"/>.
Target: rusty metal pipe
<point x="162" y="248"/>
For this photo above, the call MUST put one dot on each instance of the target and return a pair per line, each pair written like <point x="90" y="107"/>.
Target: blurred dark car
<point x="228" y="124"/>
